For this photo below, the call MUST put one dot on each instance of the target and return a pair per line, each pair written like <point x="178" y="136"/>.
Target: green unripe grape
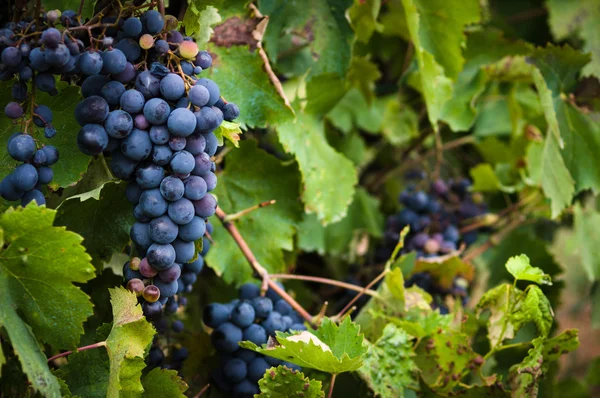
<point x="188" y="49"/>
<point x="134" y="263"/>
<point x="146" y="41"/>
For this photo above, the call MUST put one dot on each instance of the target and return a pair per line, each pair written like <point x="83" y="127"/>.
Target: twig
<point x="202" y="391"/>
<point x="87" y="347"/>
<point x="363" y="291"/>
<point x="326" y="281"/>
<point x="241" y="213"/>
<point x="259" y="269"/>
<point x="81" y="3"/>
<point x="258" y="34"/>
<point x="161" y="7"/>
<point x="333" y="376"/>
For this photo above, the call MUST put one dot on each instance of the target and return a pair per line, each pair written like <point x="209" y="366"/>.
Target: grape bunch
<point x="145" y="107"/>
<point x="435" y="218"/>
<point x="250" y="318"/>
<point x="32" y="58"/>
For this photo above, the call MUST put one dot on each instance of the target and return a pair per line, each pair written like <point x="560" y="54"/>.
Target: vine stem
<point x="363" y="291"/>
<point x="333" y="376"/>
<point x="201" y="393"/>
<point x="84" y="348"/>
<point x="259" y="269"/>
<point x="326" y="281"/>
<point x="239" y="214"/>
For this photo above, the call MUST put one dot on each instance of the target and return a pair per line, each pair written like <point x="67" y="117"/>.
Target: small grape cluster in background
<point x="252" y="318"/>
<point x="33" y="61"/>
<point x="435" y="218"/>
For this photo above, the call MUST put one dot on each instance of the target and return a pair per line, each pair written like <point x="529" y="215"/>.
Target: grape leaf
<point x="363" y="18"/>
<point x="251" y="177"/>
<point x="577" y="18"/>
<point x="353" y="109"/>
<point x="72" y="163"/>
<point x="565" y="342"/>
<point x="87" y="373"/>
<point x="229" y="130"/>
<point x="445" y="269"/>
<point x="336" y="239"/>
<point x="435" y="85"/>
<point x="323" y="92"/>
<point x="33" y="361"/>
<point x="129" y="338"/>
<point x="281" y="382"/>
<point x="588" y="237"/>
<point x="535" y="308"/>
<point x="363" y="74"/>
<point x="331" y="34"/>
<point x="524" y="377"/>
<point x="484" y="178"/>
<point x="38" y="264"/>
<point x="520" y="267"/>
<point x="326" y="194"/>
<point x="161" y="383"/>
<point x="388" y="367"/>
<point x="88" y="217"/>
<point x="240" y="75"/>
<point x="199" y="23"/>
<point x="442" y="357"/>
<point x="400" y="122"/>
<point x="498" y="301"/>
<point x="337" y="349"/>
<point x="227" y="8"/>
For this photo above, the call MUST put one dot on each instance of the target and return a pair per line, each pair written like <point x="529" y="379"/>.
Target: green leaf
<point x="229" y="130"/>
<point x="336" y="239"/>
<point x="331" y="33"/>
<point x="199" y="23"/>
<point x="240" y="75"/>
<point x="331" y="348"/>
<point x="353" y="110"/>
<point x="326" y="194"/>
<point x="588" y="238"/>
<point x="159" y="383"/>
<point x="363" y="74"/>
<point x="129" y="338"/>
<point x="524" y="377"/>
<point x="72" y="162"/>
<point x="253" y="176"/>
<point x="435" y="85"/>
<point x="323" y="92"/>
<point x="445" y="269"/>
<point x="484" y="178"/>
<point x="87" y="373"/>
<point x="38" y="264"/>
<point x="33" y="361"/>
<point x="559" y="67"/>
<point x="400" y="122"/>
<point x="577" y="18"/>
<point x="281" y="382"/>
<point x="535" y="308"/>
<point x="498" y="301"/>
<point x="363" y="18"/>
<point x="388" y="367"/>
<point x="561" y="344"/>
<point x="88" y="217"/>
<point x="521" y="269"/>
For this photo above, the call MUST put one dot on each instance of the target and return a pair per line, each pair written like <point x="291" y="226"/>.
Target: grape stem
<point x="362" y="291"/>
<point x="240" y="214"/>
<point x="333" y="376"/>
<point x="84" y="348"/>
<point x="201" y="393"/>
<point x="259" y="269"/>
<point x="326" y="281"/>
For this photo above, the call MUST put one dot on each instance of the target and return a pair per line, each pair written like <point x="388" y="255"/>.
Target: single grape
<point x="172" y="87"/>
<point x="149" y="176"/>
<point x="161" y="47"/>
<point x="21" y="147"/>
<point x="121" y="166"/>
<point x="24" y="177"/>
<point x="13" y="110"/>
<point x="160" y="257"/>
<point x="45" y="82"/>
<point x="92" y="139"/>
<point x="207" y="119"/>
<point x="181" y="122"/>
<point x="195" y="144"/>
<point x="33" y="196"/>
<point x="45" y="175"/>
<point x="57" y="57"/>
<point x="183" y="162"/>
<point x="153" y="21"/>
<point x="90" y="63"/>
<point x="257" y="369"/>
<point x="206" y="206"/>
<point x="163" y="230"/>
<point x="181" y="211"/>
<point x="130" y="48"/>
<point x="112" y="92"/>
<point x="51" y="38"/>
<point x="93" y="109"/>
<point x="132" y="27"/>
<point x="152" y="310"/>
<point x="188" y="50"/>
<point x="172" y="188"/>
<point x="136" y="285"/>
<point x="146" y="42"/>
<point x="256" y="334"/>
<point x="235" y="370"/>
<point x="202" y="164"/>
<point x="159" y="134"/>
<point x="114" y="61"/>
<point x="231" y="112"/>
<point x="171" y="274"/>
<point x="263" y="306"/>
<point x="161" y="155"/>
<point x="146" y="269"/>
<point x="184" y="251"/>
<point x="199" y="95"/>
<point x="152" y="203"/>
<point x="243" y="314"/>
<point x="157" y="111"/>
<point x="226" y="336"/>
<point x="147" y="84"/>
<point x="213" y="89"/>
<point x="193" y="230"/>
<point x="194" y="266"/>
<point x="177" y="326"/>
<point x="167" y="289"/>
<point x="42" y="115"/>
<point x="11" y="56"/>
<point x="118" y="124"/>
<point x="177" y="143"/>
<point x="137" y="146"/>
<point x="203" y="59"/>
<point x="211" y="180"/>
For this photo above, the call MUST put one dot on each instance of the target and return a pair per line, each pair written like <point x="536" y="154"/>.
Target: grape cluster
<point x="435" y="218"/>
<point x="250" y="318"/>
<point x="145" y="108"/>
<point x="33" y="58"/>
